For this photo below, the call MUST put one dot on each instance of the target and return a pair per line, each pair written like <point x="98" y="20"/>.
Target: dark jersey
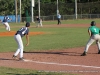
<point x="23" y="31"/>
<point x="38" y="19"/>
<point x="6" y="18"/>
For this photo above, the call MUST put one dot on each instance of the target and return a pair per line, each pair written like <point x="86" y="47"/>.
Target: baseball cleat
<point x="99" y="52"/>
<point x="21" y="59"/>
<point x="23" y="51"/>
<point x="84" y="54"/>
<point x="14" y="57"/>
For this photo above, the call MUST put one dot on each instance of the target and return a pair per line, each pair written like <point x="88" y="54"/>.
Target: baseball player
<point x="5" y="22"/>
<point x="58" y="18"/>
<point x="94" y="36"/>
<point x="39" y="21"/>
<point x="18" y="37"/>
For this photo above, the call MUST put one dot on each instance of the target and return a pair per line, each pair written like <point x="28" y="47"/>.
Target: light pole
<point x="39" y="7"/>
<point x="57" y="8"/>
<point x="76" y="9"/>
<point x="16" y="11"/>
<point x="32" y="5"/>
<point x="20" y="11"/>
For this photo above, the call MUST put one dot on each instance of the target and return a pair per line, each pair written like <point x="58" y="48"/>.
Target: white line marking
<point x="51" y="63"/>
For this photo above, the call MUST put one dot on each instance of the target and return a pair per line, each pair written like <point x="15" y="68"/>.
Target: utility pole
<point x="32" y="13"/>
<point x="39" y="7"/>
<point x="57" y="8"/>
<point x="20" y="11"/>
<point x="16" y="11"/>
<point x="76" y="9"/>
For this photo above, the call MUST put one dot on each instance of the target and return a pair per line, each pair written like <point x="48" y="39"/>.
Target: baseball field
<point x="53" y="50"/>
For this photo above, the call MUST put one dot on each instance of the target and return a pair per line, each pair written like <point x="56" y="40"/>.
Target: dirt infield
<point x="13" y="32"/>
<point x="67" y="60"/>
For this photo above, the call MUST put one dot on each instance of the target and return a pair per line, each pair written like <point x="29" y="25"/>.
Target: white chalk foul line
<point x="51" y="63"/>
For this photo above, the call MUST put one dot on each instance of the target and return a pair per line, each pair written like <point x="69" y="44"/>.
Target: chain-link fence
<point x="64" y="17"/>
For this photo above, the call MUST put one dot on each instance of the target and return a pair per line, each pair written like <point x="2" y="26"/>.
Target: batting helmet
<point x="93" y="23"/>
<point x="27" y="24"/>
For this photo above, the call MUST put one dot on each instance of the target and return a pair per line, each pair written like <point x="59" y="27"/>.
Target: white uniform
<point x="18" y="37"/>
<point x="39" y="22"/>
<point x="93" y="38"/>
<point x="5" y="22"/>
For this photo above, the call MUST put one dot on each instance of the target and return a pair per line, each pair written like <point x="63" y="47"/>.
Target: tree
<point x="7" y="7"/>
<point x="48" y="7"/>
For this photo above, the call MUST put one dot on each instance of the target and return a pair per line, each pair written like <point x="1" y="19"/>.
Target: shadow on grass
<point x="21" y="74"/>
<point x="32" y="74"/>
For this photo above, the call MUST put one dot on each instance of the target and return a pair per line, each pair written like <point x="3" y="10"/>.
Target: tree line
<point x="49" y="7"/>
<point x="69" y="1"/>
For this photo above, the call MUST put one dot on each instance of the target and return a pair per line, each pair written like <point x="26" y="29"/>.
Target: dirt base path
<point x="68" y="60"/>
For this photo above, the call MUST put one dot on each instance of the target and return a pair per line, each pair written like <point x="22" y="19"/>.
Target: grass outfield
<point x="53" y="39"/>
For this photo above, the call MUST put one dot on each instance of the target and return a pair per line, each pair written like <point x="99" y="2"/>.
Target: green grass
<point x="12" y="71"/>
<point x="54" y="38"/>
<point x="59" y="38"/>
<point x="78" y="21"/>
